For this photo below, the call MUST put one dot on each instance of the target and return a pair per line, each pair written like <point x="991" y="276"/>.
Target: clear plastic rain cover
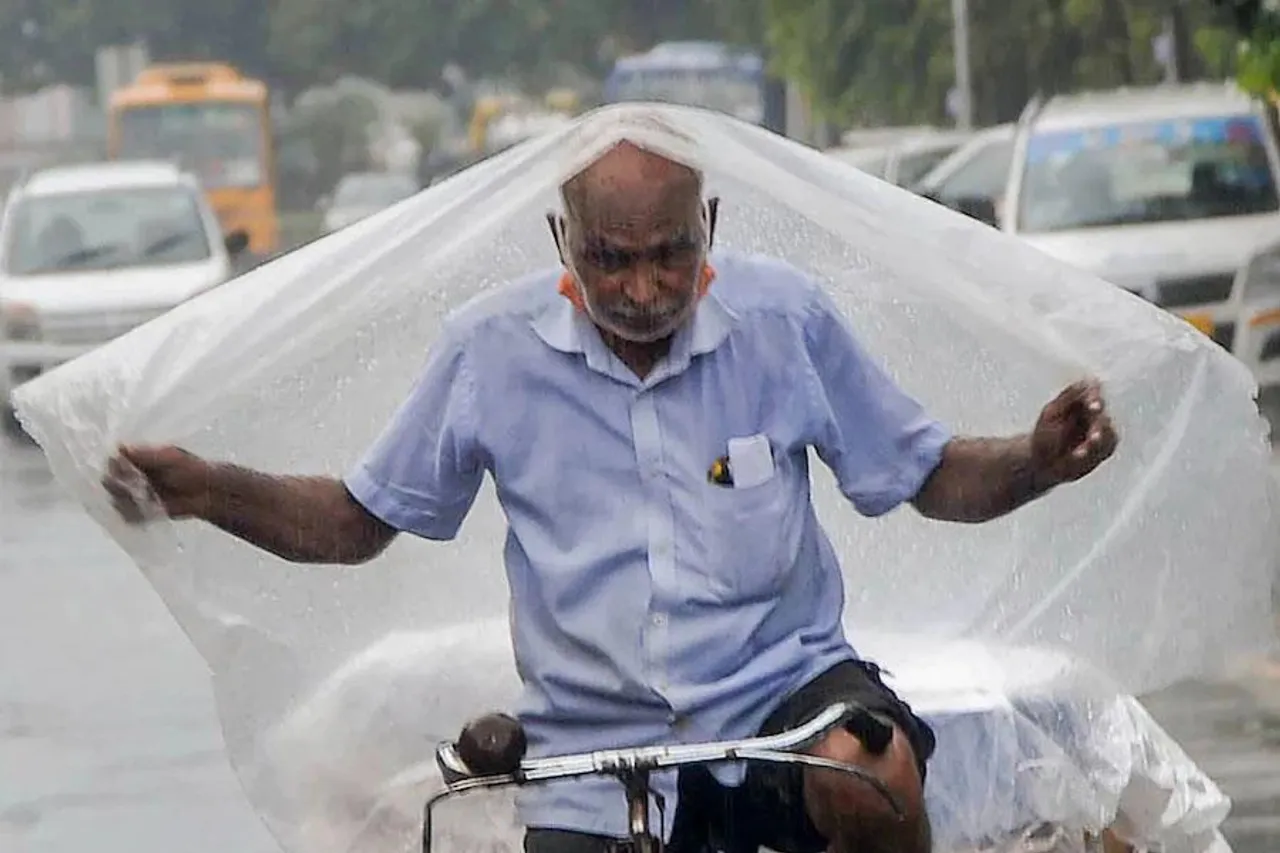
<point x="1023" y="641"/>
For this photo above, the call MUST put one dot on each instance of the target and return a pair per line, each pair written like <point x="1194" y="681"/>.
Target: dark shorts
<point x="768" y="809"/>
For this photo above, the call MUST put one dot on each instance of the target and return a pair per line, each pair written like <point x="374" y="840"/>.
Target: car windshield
<point x="220" y="142"/>
<point x="372" y="190"/>
<point x="983" y="174"/>
<point x="105" y="229"/>
<point x="1134" y="173"/>
<point x="914" y="164"/>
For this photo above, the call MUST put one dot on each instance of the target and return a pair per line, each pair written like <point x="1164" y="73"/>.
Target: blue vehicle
<point x="697" y="74"/>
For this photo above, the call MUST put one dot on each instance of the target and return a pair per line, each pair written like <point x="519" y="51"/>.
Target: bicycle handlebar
<point x="626" y="763"/>
<point x="607" y="761"/>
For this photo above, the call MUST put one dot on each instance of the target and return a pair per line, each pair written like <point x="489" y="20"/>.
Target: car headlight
<point x="19" y="322"/>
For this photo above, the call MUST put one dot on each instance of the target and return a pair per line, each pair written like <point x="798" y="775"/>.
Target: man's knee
<point x="851" y="814"/>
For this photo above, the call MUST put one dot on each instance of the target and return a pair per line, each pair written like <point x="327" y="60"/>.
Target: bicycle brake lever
<point x="452" y="768"/>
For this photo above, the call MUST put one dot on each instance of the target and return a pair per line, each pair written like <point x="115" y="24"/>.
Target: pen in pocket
<point x="719" y="472"/>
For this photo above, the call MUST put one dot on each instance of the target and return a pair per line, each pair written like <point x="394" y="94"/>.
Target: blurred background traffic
<point x="1135" y="138"/>
<point x="153" y="149"/>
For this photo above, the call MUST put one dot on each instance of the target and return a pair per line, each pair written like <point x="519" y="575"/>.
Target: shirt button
<point x="659" y="619"/>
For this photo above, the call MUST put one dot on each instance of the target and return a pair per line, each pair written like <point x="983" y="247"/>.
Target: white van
<point x="1166" y="191"/>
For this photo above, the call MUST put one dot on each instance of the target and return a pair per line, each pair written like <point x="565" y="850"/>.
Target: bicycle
<point x="498" y="756"/>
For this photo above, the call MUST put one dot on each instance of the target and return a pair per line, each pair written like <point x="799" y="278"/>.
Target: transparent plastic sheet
<point x="1029" y="744"/>
<point x="333" y="683"/>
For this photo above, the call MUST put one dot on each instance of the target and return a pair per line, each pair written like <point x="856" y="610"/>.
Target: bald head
<point x="629" y="185"/>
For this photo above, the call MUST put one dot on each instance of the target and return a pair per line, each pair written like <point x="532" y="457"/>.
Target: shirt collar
<point x="563" y="326"/>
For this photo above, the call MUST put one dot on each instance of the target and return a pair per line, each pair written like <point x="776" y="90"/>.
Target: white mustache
<point x="636" y="312"/>
<point x="646" y="319"/>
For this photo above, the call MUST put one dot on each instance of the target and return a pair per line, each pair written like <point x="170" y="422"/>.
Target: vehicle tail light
<point x="19" y="322"/>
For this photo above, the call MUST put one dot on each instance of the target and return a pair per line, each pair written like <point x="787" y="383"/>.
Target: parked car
<point x="874" y="160"/>
<point x="881" y="137"/>
<point x="905" y="161"/>
<point x="362" y="194"/>
<point x="972" y="178"/>
<point x="1166" y="191"/>
<point x="89" y="252"/>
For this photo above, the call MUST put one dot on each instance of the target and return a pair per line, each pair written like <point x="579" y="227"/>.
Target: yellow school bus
<point x="216" y="124"/>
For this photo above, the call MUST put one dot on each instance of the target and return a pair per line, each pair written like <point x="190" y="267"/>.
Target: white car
<point x="1166" y="191"/>
<point x="973" y="175"/>
<point x="903" y="161"/>
<point x="89" y="252"/>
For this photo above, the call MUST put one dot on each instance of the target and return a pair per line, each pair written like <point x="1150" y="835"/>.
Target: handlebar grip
<point x="874" y="730"/>
<point x="494" y="744"/>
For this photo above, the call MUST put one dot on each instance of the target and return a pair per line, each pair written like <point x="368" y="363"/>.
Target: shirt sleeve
<point x="422" y="474"/>
<point x="877" y="440"/>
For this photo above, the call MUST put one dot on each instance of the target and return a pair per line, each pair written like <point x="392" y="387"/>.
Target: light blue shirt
<point x="649" y="604"/>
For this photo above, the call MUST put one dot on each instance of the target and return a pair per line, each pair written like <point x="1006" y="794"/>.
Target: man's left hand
<point x="1073" y="435"/>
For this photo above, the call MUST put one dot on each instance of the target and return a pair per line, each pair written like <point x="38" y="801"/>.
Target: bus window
<point x="220" y="142"/>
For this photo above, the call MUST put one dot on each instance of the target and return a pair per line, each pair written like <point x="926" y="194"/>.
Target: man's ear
<point x="556" y="224"/>
<point x="713" y="212"/>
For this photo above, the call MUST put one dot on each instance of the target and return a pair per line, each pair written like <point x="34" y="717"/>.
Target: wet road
<point x="108" y="740"/>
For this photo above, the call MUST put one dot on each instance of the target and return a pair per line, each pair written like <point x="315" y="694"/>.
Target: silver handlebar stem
<point x="632" y="766"/>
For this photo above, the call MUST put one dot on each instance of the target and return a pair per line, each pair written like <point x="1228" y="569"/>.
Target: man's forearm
<point x="980" y="479"/>
<point x="300" y="519"/>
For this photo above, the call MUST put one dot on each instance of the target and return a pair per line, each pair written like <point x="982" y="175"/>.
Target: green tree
<point x="872" y="62"/>
<point x="56" y="40"/>
<point x="892" y="62"/>
<point x="1257" y="29"/>
<point x="328" y="130"/>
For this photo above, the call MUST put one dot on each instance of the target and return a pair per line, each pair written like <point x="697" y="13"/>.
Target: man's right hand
<point x="146" y="481"/>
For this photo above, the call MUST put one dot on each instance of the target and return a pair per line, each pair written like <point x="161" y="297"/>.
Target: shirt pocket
<point x="749" y="538"/>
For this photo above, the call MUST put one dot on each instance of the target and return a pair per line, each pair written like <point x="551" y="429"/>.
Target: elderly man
<point x="646" y="420"/>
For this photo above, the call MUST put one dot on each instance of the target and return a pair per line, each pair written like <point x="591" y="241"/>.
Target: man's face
<point x="637" y="250"/>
